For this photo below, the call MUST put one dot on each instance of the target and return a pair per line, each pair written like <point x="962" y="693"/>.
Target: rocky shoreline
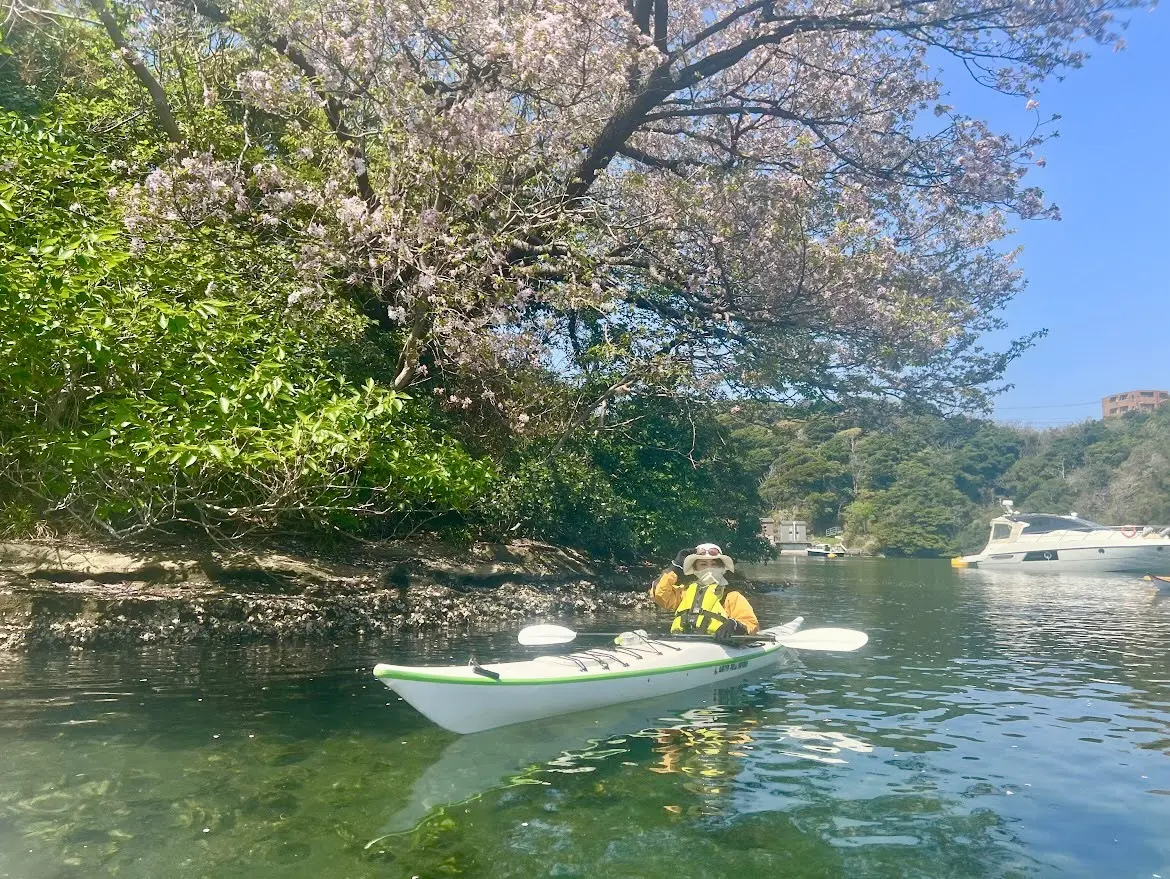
<point x="79" y="596"/>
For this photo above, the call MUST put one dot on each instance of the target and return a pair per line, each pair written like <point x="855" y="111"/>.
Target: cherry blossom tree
<point x="685" y="197"/>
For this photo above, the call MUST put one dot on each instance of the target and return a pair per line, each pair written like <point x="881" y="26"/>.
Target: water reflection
<point x="702" y="734"/>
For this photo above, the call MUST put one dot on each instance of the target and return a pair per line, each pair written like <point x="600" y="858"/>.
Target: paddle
<point x="844" y="640"/>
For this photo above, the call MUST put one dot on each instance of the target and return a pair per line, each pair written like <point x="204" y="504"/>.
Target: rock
<point x="84" y="596"/>
<point x="61" y="563"/>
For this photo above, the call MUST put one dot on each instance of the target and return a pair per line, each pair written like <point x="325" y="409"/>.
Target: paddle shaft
<point x="659" y="637"/>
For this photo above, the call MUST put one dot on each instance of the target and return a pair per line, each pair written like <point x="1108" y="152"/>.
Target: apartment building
<point x="1116" y="405"/>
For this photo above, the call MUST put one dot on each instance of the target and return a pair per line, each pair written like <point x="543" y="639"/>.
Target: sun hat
<point x="707" y="551"/>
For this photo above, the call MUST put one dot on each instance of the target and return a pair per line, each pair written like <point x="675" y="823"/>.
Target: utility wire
<point x="1054" y="405"/>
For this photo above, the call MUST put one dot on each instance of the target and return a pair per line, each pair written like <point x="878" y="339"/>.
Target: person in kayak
<point x="695" y="588"/>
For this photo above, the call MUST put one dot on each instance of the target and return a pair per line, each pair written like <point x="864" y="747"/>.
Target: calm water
<point x="994" y="726"/>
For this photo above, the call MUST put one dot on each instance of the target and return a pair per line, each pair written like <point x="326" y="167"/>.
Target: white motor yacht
<point x="1044" y="542"/>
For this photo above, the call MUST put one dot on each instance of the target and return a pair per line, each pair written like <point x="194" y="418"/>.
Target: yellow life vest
<point x="707" y="618"/>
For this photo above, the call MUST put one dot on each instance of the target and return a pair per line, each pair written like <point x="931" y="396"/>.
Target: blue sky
<point x="1099" y="279"/>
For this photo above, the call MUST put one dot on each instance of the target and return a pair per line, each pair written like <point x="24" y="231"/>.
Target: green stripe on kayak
<point x="383" y="671"/>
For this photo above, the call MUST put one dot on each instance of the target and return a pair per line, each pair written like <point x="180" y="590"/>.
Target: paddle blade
<point x="544" y="636"/>
<point x="843" y="640"/>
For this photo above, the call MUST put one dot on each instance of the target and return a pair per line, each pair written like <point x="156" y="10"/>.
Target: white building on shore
<point x="785" y="533"/>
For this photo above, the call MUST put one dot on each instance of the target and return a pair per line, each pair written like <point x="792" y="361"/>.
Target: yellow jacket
<point x="667" y="593"/>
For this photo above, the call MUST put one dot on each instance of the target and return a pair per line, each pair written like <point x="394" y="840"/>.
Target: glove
<point x="677" y="564"/>
<point x="729" y="630"/>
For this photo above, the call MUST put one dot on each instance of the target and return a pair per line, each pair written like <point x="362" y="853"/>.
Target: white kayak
<point x="467" y="699"/>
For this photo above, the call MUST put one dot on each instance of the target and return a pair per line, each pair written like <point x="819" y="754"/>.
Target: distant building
<point x="784" y="533"/>
<point x="768" y="529"/>
<point x="1116" y="405"/>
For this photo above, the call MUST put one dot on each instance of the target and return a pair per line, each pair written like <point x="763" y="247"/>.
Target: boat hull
<point x="1132" y="559"/>
<point x="464" y="701"/>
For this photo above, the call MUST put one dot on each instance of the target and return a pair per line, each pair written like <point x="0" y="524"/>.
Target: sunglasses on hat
<point x="708" y="549"/>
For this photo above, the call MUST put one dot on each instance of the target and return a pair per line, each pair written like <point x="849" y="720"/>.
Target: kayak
<point x="471" y="698"/>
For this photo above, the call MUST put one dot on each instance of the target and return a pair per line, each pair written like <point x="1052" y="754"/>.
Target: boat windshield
<point x="1039" y="524"/>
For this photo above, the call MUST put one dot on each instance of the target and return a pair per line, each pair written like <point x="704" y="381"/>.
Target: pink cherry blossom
<point x="682" y="196"/>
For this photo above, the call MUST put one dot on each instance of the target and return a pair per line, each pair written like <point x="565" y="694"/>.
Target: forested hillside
<point x="926" y="485"/>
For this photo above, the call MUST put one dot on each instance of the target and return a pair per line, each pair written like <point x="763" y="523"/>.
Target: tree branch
<point x="642" y="15"/>
<point x="661" y="17"/>
<point x="662" y="83"/>
<point x="158" y="95"/>
<point x="652" y="161"/>
<point x="407" y="364"/>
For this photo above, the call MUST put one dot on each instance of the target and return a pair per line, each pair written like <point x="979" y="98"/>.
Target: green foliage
<point x="143" y="385"/>
<point x="980" y="462"/>
<point x="563" y="498"/>
<point x="814" y="474"/>
<point x="810" y="480"/>
<point x="919" y="514"/>
<point x="668" y="478"/>
<point x="1112" y="470"/>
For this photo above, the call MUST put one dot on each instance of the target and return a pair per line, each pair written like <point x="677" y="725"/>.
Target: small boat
<point x="1161" y="583"/>
<point x="825" y="551"/>
<point x="471" y="698"/>
<point x="1041" y="542"/>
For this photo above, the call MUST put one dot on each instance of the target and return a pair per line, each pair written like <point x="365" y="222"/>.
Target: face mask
<point x="712" y="577"/>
